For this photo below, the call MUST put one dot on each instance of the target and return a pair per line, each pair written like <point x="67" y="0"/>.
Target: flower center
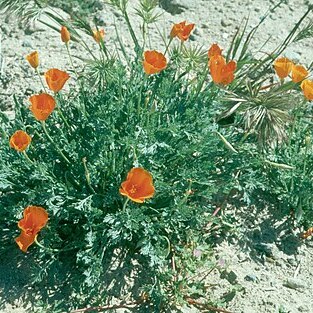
<point x="133" y="189"/>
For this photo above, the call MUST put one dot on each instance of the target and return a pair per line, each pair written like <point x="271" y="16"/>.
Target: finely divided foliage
<point x="114" y="183"/>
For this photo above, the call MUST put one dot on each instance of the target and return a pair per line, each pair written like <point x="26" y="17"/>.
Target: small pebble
<point x="225" y="23"/>
<point x="251" y="277"/>
<point x="294" y="283"/>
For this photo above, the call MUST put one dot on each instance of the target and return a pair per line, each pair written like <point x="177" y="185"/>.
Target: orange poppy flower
<point x="222" y="72"/>
<point x="98" y="35"/>
<point x="283" y="67"/>
<point x="215" y="50"/>
<point x="138" y="185"/>
<point x="154" y="62"/>
<point x="33" y="59"/>
<point x="65" y="34"/>
<point x="307" y="88"/>
<point x="182" y="30"/>
<point x="298" y="73"/>
<point x="34" y="219"/>
<point x="20" y="141"/>
<point x="56" y="79"/>
<point x="42" y="106"/>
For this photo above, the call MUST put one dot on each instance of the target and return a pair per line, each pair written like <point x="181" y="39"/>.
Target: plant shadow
<point x="121" y="282"/>
<point x="265" y="229"/>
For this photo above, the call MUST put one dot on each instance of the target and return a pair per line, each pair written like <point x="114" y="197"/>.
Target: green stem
<point x="42" y="84"/>
<point x="54" y="144"/>
<point x="87" y="175"/>
<point x="131" y="30"/>
<point x="56" y="250"/>
<point x="27" y="157"/>
<point x="43" y="247"/>
<point x="205" y="74"/>
<point x="125" y="203"/>
<point x="60" y="113"/>
<point x="70" y="57"/>
<point x="168" y="45"/>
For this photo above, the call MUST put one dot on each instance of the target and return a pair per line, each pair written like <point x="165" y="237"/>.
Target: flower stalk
<point x="53" y="143"/>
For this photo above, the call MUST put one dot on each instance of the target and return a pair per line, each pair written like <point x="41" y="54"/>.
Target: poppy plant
<point x="56" y="79"/>
<point x="20" y="141"/>
<point x="222" y="72"/>
<point x="42" y="106"/>
<point x="283" y="67"/>
<point x="33" y="59"/>
<point x="182" y="30"/>
<point x="65" y="34"/>
<point x="138" y="185"/>
<point x="154" y="62"/>
<point x="307" y="88"/>
<point x="214" y="50"/>
<point x="98" y="35"/>
<point x="298" y="73"/>
<point x="34" y="219"/>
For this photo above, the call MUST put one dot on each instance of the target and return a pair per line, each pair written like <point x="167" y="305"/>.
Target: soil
<point x="267" y="268"/>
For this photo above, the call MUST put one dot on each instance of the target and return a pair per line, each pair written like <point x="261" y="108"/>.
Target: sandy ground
<point x="267" y="268"/>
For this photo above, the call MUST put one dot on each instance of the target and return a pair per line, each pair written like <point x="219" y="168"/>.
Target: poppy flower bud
<point x="154" y="62"/>
<point x="214" y="50"/>
<point x="283" y="67"/>
<point x="138" y="185"/>
<point x="20" y="141"/>
<point x="98" y="35"/>
<point x="65" y="34"/>
<point x="307" y="88"/>
<point x="308" y="141"/>
<point x="33" y="59"/>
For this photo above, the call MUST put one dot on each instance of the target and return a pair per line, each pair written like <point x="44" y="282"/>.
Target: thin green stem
<point x="125" y="204"/>
<point x="43" y="247"/>
<point x="168" y="45"/>
<point x="60" y="113"/>
<point x="131" y="30"/>
<point x="56" y="250"/>
<point x="54" y="144"/>
<point x="27" y="157"/>
<point x="87" y="175"/>
<point x="71" y="59"/>
<point x="42" y="84"/>
<point x="205" y="74"/>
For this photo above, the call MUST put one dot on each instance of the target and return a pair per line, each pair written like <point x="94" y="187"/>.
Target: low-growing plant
<point x="119" y="180"/>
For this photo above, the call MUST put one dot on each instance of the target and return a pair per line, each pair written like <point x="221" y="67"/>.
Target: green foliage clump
<point x="204" y="144"/>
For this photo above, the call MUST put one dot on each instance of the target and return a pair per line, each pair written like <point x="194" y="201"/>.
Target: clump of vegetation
<point x="118" y="182"/>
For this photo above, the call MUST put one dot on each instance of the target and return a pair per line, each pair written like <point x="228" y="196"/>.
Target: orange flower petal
<point x="34" y="219"/>
<point x="307" y="88"/>
<point x="20" y="141"/>
<point x="182" y="30"/>
<point x="221" y="72"/>
<point x="299" y="73"/>
<point x="24" y="241"/>
<point x="33" y="59"/>
<point x="56" y="79"/>
<point x="154" y="62"/>
<point x="98" y="35"/>
<point x="214" y="50"/>
<point x="65" y="34"/>
<point x="283" y="67"/>
<point x="42" y="106"/>
<point x="138" y="185"/>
